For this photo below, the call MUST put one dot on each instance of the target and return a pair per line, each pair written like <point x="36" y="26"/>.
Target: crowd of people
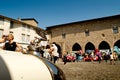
<point x="51" y="53"/>
<point x="94" y="55"/>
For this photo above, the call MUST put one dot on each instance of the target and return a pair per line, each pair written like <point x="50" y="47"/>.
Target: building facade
<point x="100" y="33"/>
<point x="23" y="32"/>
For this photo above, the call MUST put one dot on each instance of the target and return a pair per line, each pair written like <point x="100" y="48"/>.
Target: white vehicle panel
<point x="24" y="67"/>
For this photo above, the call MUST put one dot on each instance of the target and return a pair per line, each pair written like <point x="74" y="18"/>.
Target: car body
<point x="18" y="66"/>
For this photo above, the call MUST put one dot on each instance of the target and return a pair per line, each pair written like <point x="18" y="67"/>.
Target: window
<point x="103" y="35"/>
<point x="11" y="24"/>
<point x="115" y="29"/>
<point x="1" y="33"/>
<point x="63" y="35"/>
<point x="11" y="32"/>
<point x="23" y="38"/>
<point x="51" y="34"/>
<point x="28" y="38"/>
<point x="23" y="27"/>
<point x="87" y="33"/>
<point x="2" y="21"/>
<point x="28" y="28"/>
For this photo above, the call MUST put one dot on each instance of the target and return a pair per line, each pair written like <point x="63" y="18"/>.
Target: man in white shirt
<point x="55" y="53"/>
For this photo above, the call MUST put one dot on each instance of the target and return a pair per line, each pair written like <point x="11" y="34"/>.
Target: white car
<point x="18" y="66"/>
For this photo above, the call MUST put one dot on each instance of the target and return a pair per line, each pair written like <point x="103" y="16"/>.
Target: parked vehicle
<point x="18" y="66"/>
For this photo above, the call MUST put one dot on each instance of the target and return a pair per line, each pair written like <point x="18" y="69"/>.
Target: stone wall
<point x="67" y="35"/>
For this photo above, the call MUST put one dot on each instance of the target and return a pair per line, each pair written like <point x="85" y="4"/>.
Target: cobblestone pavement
<point x="90" y="71"/>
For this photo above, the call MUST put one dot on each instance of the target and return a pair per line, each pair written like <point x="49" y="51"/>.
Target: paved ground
<point x="90" y="71"/>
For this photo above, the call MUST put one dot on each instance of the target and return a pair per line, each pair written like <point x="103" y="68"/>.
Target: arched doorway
<point x="89" y="47"/>
<point x="117" y="43"/>
<point x="104" y="47"/>
<point x="117" y="47"/>
<point x="76" y="47"/>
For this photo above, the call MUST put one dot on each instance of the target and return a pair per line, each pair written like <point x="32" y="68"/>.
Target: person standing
<point x="111" y="58"/>
<point x="78" y="54"/>
<point x="99" y="56"/>
<point x="55" y="53"/>
<point x="65" y="57"/>
<point x="46" y="53"/>
<point x="11" y="45"/>
<point x="106" y="57"/>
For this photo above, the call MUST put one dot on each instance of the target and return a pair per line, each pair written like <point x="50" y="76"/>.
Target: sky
<point x="55" y="12"/>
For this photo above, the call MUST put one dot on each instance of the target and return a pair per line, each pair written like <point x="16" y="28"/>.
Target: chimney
<point x="19" y="19"/>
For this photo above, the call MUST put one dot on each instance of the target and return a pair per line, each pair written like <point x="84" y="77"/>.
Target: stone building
<point x="100" y="33"/>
